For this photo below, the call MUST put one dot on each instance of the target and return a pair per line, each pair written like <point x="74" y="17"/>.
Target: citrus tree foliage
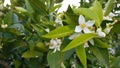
<point x="34" y="35"/>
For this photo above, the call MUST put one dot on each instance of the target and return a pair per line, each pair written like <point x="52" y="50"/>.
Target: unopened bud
<point x="4" y="26"/>
<point x="1" y="7"/>
<point x="115" y="21"/>
<point x="1" y="14"/>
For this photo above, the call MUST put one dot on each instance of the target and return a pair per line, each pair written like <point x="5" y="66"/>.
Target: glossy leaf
<point x="29" y="8"/>
<point x="81" y="53"/>
<point x="101" y="44"/>
<point x="115" y="62"/>
<point x="41" y="46"/>
<point x="21" y="9"/>
<point x="79" y="40"/>
<point x="109" y="7"/>
<point x="116" y="28"/>
<point x="17" y="63"/>
<point x="38" y="6"/>
<point x="31" y="54"/>
<point x="97" y="8"/>
<point x="60" y="32"/>
<point x="55" y="59"/>
<point x="71" y="19"/>
<point x="39" y="31"/>
<point x="102" y="55"/>
<point x="55" y="7"/>
<point x="88" y="13"/>
<point x="9" y="18"/>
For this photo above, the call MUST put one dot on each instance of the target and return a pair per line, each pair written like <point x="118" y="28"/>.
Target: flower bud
<point x="100" y="33"/>
<point x="1" y="14"/>
<point x="1" y="7"/>
<point x="109" y="26"/>
<point x="4" y="26"/>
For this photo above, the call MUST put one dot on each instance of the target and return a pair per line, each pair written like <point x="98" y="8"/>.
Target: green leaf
<point x="97" y="8"/>
<point x="60" y="32"/>
<point x="79" y="40"/>
<point x="39" y="31"/>
<point x="109" y="7"/>
<point x="32" y="54"/>
<point x="55" y="7"/>
<point x="116" y="28"/>
<point x="88" y="13"/>
<point x="41" y="46"/>
<point x="55" y="59"/>
<point x="21" y="9"/>
<point x="17" y="63"/>
<point x="69" y="10"/>
<point x="71" y="19"/>
<point x="101" y="44"/>
<point x="101" y="1"/>
<point x="115" y="63"/>
<point x="38" y="6"/>
<point x="102" y="55"/>
<point x="29" y="8"/>
<point x="9" y="18"/>
<point x="80" y="51"/>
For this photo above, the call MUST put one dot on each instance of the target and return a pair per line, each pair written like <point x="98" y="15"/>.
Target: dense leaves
<point x="34" y="34"/>
<point x="79" y="40"/>
<point x="80" y="50"/>
<point x="60" y="32"/>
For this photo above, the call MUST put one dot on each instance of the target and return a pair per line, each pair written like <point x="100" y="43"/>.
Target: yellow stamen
<point x="83" y="25"/>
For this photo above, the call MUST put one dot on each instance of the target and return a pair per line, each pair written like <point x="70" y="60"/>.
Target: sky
<point x="64" y="6"/>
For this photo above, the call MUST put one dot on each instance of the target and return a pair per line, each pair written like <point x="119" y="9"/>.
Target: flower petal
<point x="81" y="19"/>
<point x="7" y="2"/>
<point x="86" y="30"/>
<point x="78" y="29"/>
<point x="51" y="47"/>
<point x="100" y="33"/>
<point x="90" y="23"/>
<point x="54" y="50"/>
<point x="53" y="42"/>
<point x="86" y="45"/>
<point x="91" y="41"/>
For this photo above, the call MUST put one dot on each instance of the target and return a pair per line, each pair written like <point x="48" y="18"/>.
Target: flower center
<point x="83" y="25"/>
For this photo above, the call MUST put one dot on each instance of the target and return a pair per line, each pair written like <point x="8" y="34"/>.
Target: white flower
<point x="1" y="7"/>
<point x="1" y="14"/>
<point x="84" y="25"/>
<point x="111" y="50"/>
<point x="118" y="5"/>
<point x="4" y="26"/>
<point x="108" y="28"/>
<point x="109" y="17"/>
<point x="55" y="44"/>
<point x="58" y="20"/>
<point x="100" y="33"/>
<point x="47" y="30"/>
<point x="73" y="64"/>
<point x="7" y="2"/>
